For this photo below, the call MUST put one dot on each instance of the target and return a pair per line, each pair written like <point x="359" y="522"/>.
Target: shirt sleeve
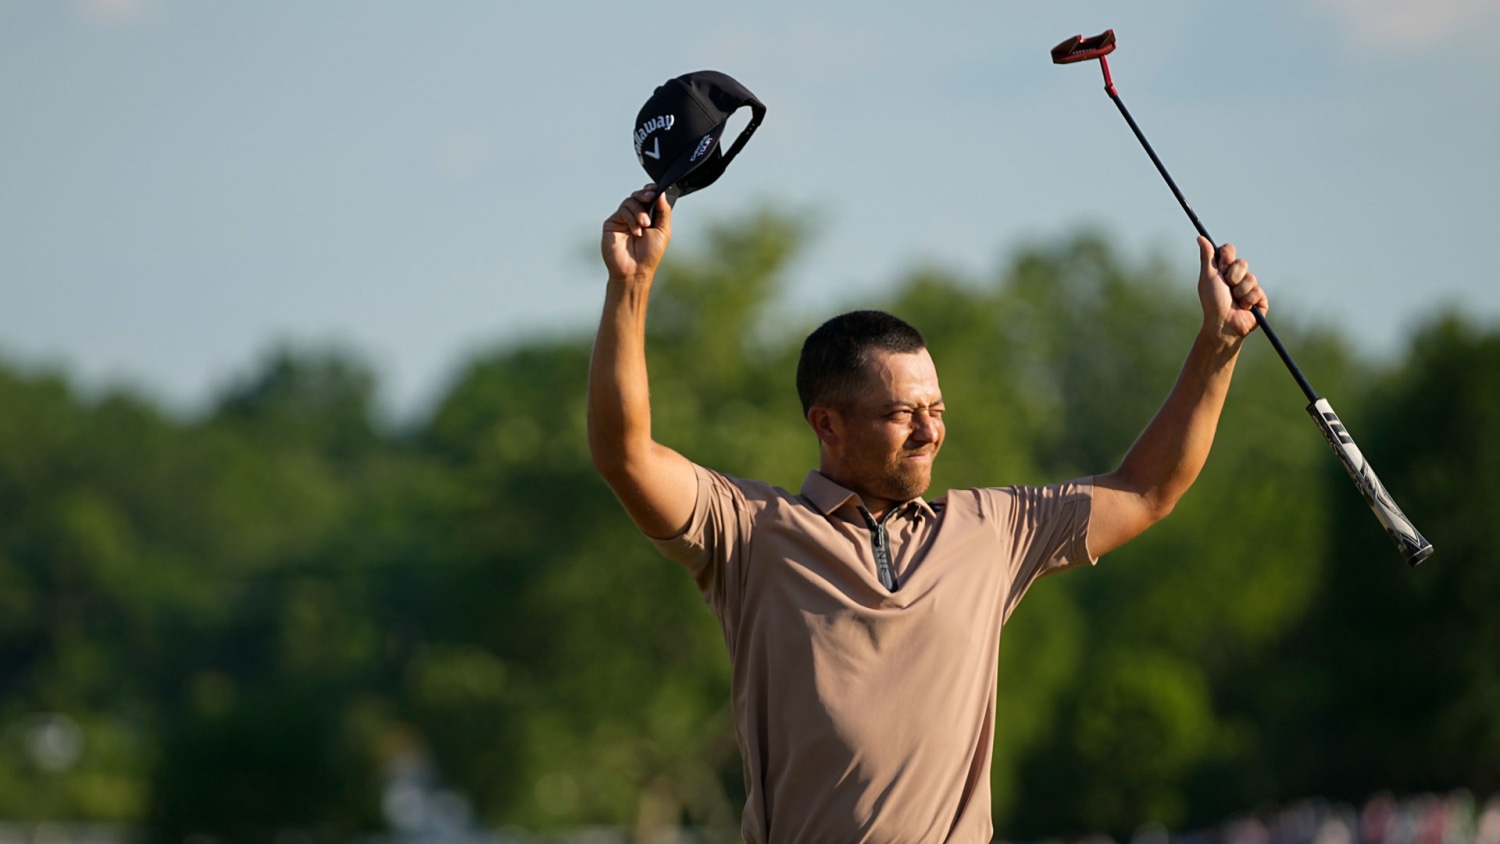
<point x="1044" y="528"/>
<point x="710" y="547"/>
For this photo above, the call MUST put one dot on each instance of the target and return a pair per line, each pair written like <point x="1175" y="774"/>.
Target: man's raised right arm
<point x="657" y="485"/>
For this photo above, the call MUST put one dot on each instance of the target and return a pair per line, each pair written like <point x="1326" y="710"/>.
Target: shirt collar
<point x="828" y="496"/>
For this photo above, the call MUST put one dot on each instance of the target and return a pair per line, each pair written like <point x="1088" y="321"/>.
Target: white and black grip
<point x="1411" y="543"/>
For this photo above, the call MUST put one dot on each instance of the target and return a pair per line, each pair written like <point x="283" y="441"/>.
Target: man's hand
<point x="632" y="245"/>
<point x="1227" y="293"/>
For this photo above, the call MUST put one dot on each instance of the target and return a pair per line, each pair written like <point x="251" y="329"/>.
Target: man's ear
<point x="826" y="423"/>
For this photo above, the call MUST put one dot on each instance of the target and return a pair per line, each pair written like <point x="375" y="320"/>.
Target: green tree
<point x="237" y="625"/>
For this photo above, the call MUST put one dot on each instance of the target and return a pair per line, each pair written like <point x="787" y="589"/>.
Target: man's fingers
<point x="650" y="203"/>
<point x="626" y="219"/>
<point x="1226" y="256"/>
<point x="1234" y="273"/>
<point x="1248" y="293"/>
<point x="618" y="221"/>
<point x="634" y="215"/>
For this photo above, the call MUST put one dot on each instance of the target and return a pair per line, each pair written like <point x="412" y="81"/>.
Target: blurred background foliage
<point x="254" y="620"/>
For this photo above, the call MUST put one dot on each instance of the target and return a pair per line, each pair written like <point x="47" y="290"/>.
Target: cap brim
<point x="687" y="162"/>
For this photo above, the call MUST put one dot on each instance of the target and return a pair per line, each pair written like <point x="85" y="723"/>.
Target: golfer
<point x="863" y="621"/>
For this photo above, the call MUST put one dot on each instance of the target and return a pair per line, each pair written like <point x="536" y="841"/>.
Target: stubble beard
<point x="901" y="481"/>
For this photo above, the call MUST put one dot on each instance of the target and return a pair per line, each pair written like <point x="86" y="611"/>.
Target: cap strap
<point x="757" y="111"/>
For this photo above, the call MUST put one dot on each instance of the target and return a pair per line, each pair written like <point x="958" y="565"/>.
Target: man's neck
<point x="877" y="507"/>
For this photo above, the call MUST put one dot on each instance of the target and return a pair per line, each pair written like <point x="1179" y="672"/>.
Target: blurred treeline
<point x="243" y="623"/>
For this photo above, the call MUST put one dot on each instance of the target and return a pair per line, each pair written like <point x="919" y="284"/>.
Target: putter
<point x="1408" y="540"/>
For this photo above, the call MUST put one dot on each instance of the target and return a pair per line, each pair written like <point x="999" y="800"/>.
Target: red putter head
<point x="1080" y="49"/>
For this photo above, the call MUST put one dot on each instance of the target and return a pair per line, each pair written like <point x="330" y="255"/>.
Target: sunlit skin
<point x="883" y="443"/>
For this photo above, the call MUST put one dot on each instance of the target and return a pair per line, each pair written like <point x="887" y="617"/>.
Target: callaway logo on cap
<point x="677" y="132"/>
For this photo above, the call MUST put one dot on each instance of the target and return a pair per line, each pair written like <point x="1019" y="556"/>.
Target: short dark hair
<point x="831" y="368"/>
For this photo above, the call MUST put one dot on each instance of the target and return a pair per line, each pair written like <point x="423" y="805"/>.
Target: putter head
<point x="1080" y="49"/>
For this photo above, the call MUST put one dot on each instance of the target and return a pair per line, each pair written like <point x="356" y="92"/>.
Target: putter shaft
<point x="1260" y="315"/>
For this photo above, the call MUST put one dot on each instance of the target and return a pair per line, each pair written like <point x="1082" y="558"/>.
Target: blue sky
<point x="184" y="185"/>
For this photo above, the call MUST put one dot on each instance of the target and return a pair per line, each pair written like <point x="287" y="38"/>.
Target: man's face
<point x="893" y="430"/>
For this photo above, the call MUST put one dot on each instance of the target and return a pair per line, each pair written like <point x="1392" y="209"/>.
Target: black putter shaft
<point x="1260" y="316"/>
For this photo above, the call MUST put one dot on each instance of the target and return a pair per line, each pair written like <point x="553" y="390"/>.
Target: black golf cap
<point x="678" y="130"/>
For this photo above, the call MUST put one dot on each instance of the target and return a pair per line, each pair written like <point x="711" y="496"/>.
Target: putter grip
<point x="1411" y="544"/>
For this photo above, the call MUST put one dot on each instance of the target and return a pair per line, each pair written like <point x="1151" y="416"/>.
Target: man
<point x="863" y="622"/>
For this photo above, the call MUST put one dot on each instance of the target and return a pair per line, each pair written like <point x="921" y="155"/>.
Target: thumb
<point x="1206" y="256"/>
<point x="661" y="214"/>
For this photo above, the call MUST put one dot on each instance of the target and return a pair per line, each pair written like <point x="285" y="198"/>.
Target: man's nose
<point x="926" y="428"/>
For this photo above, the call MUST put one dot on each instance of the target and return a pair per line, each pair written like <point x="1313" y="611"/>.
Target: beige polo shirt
<point x="865" y="715"/>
